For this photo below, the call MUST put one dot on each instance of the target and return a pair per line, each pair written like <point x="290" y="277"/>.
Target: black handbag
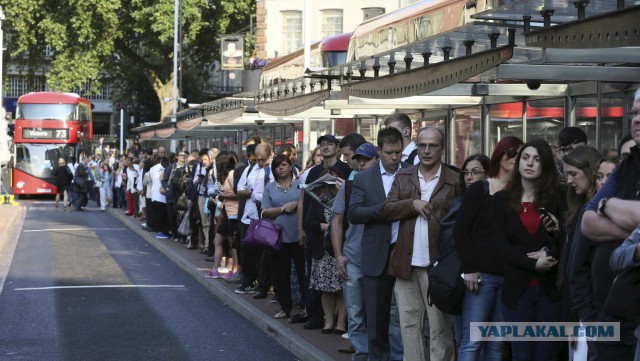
<point x="446" y="287"/>
<point x="623" y="301"/>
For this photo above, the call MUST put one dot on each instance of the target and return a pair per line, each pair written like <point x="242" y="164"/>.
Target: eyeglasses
<point x="566" y="149"/>
<point x="423" y="146"/>
<point x="474" y="172"/>
<point x="181" y="155"/>
<point x="511" y="153"/>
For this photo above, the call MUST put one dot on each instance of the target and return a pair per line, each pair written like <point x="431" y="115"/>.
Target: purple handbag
<point x="264" y="234"/>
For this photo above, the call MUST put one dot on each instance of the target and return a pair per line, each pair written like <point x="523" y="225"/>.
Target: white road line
<point x="97" y="286"/>
<point x="72" y="229"/>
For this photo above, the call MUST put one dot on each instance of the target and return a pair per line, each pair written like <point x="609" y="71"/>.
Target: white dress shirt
<point x="420" y="257"/>
<point x="387" y="181"/>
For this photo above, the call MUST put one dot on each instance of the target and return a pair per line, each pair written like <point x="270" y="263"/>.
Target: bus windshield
<point x="39" y="160"/>
<point x="336" y="58"/>
<point x="46" y="111"/>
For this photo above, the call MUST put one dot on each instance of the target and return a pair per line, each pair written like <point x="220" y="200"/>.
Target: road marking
<point x="73" y="229"/>
<point x="97" y="286"/>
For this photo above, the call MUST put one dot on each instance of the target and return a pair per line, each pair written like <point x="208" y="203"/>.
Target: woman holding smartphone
<point x="529" y="240"/>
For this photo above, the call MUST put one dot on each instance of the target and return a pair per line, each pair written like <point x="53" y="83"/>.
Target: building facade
<point x="279" y="23"/>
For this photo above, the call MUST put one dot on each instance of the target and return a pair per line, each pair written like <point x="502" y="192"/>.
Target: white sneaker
<point x="223" y="269"/>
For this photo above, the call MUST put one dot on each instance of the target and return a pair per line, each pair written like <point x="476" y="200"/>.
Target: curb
<point x="300" y="347"/>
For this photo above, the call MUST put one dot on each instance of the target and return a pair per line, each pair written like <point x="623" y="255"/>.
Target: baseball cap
<point x="93" y="164"/>
<point x="328" y="137"/>
<point x="367" y="150"/>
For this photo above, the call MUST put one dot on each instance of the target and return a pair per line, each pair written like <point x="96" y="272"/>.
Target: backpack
<point x="412" y="157"/>
<point x="446" y="287"/>
<point x="267" y="175"/>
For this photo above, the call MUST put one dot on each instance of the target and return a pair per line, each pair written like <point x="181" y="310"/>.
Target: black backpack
<point x="412" y="156"/>
<point x="446" y="287"/>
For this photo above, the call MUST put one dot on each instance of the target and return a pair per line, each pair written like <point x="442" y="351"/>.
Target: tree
<point x="120" y="39"/>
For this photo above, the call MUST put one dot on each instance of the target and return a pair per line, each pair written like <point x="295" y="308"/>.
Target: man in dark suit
<point x="370" y="188"/>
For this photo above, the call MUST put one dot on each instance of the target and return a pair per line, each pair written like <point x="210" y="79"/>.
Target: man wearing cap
<point x="329" y="148"/>
<point x="370" y="189"/>
<point x="348" y="254"/>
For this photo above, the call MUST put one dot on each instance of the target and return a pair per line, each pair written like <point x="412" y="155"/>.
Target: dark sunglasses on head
<point x="511" y="153"/>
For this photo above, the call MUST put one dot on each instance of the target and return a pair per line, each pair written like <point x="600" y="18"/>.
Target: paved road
<point x="83" y="287"/>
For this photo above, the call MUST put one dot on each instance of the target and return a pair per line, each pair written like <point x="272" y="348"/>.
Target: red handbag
<point x="264" y="234"/>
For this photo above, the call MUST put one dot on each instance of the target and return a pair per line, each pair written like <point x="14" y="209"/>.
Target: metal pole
<point x="307" y="34"/>
<point x="1" y="56"/>
<point x="175" y="56"/>
<point x="598" y="115"/>
<point x="121" y="131"/>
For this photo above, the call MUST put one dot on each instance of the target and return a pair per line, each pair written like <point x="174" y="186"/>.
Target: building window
<point x="331" y="22"/>
<point x="368" y="13"/>
<point x="18" y="85"/>
<point x="292" y="30"/>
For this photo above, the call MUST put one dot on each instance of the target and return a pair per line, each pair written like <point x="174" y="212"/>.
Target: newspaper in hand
<point x="323" y="190"/>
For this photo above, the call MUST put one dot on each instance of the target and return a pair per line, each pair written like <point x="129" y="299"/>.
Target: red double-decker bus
<point x="48" y="126"/>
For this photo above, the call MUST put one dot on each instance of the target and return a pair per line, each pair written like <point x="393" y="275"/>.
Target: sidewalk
<point x="307" y="345"/>
<point x="11" y="220"/>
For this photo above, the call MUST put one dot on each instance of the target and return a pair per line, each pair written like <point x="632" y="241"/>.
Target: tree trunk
<point x="165" y="91"/>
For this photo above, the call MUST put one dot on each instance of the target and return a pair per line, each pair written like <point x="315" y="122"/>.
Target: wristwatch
<point x="602" y="205"/>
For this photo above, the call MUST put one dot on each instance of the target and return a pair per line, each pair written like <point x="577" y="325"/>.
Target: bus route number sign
<point x="35" y="133"/>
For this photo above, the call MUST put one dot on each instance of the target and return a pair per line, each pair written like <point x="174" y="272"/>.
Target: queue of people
<point x="541" y="233"/>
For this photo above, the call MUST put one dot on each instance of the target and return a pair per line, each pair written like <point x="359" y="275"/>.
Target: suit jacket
<point x="365" y="207"/>
<point x="399" y="206"/>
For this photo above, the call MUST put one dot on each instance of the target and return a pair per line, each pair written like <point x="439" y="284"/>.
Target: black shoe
<point x="209" y="259"/>
<point x="260" y="295"/>
<point x="299" y="318"/>
<point x="312" y="324"/>
<point x="245" y="289"/>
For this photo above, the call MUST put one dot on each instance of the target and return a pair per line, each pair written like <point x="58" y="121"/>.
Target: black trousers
<point x="377" y="292"/>
<point x="160" y="221"/>
<point x="81" y="201"/>
<point x="282" y="270"/>
<point x="172" y="216"/>
<point x="152" y="218"/>
<point x="312" y="298"/>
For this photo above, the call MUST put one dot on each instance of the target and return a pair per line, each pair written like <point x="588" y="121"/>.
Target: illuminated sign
<point x="232" y="48"/>
<point x="36" y="133"/>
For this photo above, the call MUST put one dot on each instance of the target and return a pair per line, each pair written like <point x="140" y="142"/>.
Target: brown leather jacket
<point x="399" y="206"/>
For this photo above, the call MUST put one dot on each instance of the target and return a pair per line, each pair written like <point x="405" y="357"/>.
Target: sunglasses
<point x="511" y="153"/>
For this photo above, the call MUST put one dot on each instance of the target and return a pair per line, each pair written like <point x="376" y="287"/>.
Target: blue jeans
<point x="534" y="306"/>
<point x="395" y="333"/>
<point x="354" y="299"/>
<point x="483" y="306"/>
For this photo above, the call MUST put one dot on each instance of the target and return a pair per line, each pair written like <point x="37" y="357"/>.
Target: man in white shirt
<point x="249" y="187"/>
<point x="420" y="197"/>
<point x="402" y="122"/>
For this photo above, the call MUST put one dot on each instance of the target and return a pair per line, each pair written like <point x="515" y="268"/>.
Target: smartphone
<point x="546" y="214"/>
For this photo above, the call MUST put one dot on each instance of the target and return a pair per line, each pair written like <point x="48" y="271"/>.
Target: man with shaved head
<point x="251" y="186"/>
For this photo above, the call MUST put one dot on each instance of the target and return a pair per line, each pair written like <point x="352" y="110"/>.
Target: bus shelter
<point x="526" y="68"/>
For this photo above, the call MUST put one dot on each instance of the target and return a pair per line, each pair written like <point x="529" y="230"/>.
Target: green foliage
<point x="127" y="40"/>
